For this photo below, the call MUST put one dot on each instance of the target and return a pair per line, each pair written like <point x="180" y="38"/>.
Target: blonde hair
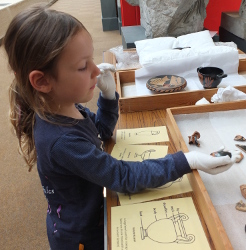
<point x="34" y="40"/>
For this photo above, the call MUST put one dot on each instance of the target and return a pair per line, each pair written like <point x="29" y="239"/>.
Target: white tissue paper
<point x="198" y="47"/>
<point x="164" y="60"/>
<point x="147" y="46"/>
<point x="194" y="40"/>
<point x="228" y="94"/>
<point x="202" y="101"/>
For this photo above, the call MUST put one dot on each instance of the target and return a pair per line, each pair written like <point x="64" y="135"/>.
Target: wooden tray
<point x="213" y="228"/>
<point x="137" y="120"/>
<point x="125" y="84"/>
<point x="214" y="225"/>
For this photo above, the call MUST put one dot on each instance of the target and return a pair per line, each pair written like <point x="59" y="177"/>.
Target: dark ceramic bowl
<point x="210" y="77"/>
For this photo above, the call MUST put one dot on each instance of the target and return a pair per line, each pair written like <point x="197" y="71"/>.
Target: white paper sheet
<point x="187" y="68"/>
<point x="234" y="219"/>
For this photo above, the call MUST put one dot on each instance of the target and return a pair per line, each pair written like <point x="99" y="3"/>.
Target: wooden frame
<point x="215" y="227"/>
<point x="242" y="63"/>
<point x="126" y="78"/>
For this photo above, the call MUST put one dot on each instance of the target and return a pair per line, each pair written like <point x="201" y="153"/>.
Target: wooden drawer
<point x="125" y="81"/>
<point x="128" y="102"/>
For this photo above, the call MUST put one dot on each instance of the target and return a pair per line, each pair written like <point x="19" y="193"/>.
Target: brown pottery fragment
<point x="241" y="157"/>
<point x="241" y="206"/>
<point x="243" y="190"/>
<point x="193" y="139"/>
<point x="239" y="138"/>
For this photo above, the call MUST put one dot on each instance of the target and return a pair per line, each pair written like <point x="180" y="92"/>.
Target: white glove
<point x="105" y="81"/>
<point x="210" y="164"/>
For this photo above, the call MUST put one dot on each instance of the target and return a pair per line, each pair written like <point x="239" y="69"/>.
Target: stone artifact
<point x="235" y="21"/>
<point x="241" y="206"/>
<point x="243" y="190"/>
<point x="239" y="138"/>
<point x="171" y="18"/>
<point x="242" y="10"/>
<point x="133" y="2"/>
<point x="193" y="139"/>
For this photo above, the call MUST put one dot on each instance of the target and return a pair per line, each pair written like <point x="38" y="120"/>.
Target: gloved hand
<point x="210" y="164"/>
<point x="105" y="81"/>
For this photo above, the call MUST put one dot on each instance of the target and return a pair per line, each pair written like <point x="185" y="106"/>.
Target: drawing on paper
<point x="176" y="228"/>
<point x="169" y="184"/>
<point x="142" y="135"/>
<point x="139" y="152"/>
<point x="148" y="133"/>
<point x="145" y="155"/>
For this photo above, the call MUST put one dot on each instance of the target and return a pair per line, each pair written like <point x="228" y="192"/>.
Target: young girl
<point x="51" y="55"/>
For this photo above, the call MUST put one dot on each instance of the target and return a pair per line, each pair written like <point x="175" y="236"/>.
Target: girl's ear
<point x="39" y="81"/>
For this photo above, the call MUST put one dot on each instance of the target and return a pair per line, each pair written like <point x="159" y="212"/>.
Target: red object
<point x="214" y="10"/>
<point x="130" y="15"/>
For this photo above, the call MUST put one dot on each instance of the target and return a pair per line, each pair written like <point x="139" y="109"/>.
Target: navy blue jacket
<point x="73" y="170"/>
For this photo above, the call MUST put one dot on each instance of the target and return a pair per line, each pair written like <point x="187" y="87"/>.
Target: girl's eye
<point x="82" y="69"/>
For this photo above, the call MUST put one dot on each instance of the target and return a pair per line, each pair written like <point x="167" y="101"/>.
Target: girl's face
<point x="76" y="76"/>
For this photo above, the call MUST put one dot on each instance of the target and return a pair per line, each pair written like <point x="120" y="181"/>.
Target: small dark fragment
<point x="193" y="139"/>
<point x="220" y="153"/>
